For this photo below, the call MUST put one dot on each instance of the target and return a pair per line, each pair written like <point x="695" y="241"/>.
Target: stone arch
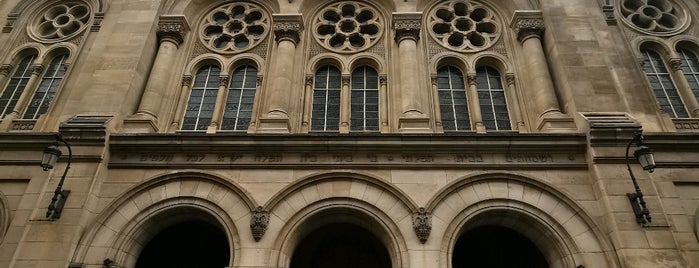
<point x="312" y="6"/>
<point x="326" y="59"/>
<point x="367" y="59"/>
<point x="449" y="58"/>
<point x="193" y="10"/>
<point x="494" y="60"/>
<point x="199" y="61"/>
<point x="685" y="41"/>
<point x="122" y="228"/>
<point x="58" y="49"/>
<point x="245" y="59"/>
<point x="22" y="51"/>
<point x="654" y="43"/>
<point x="562" y="230"/>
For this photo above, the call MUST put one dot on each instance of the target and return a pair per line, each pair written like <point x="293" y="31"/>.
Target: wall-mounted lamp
<point x="51" y="155"/>
<point x="647" y="160"/>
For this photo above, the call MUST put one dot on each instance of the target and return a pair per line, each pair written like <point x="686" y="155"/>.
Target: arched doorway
<point x="340" y="245"/>
<point x="496" y="246"/>
<point x="191" y="243"/>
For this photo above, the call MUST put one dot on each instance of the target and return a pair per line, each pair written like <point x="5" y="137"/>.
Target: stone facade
<point x="513" y="114"/>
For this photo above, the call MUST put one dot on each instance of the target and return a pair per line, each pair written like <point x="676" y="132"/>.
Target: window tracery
<point x="348" y="27"/>
<point x="50" y="82"/>
<point x="16" y="85"/>
<point x="659" y="17"/>
<point x="234" y="27"/>
<point x="661" y="83"/>
<point x="60" y="22"/>
<point x="463" y="25"/>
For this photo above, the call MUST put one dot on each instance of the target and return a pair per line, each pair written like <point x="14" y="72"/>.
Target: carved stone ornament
<point x="528" y="24"/>
<point x="656" y="17"/>
<point x="288" y="27"/>
<point x="675" y="64"/>
<point x="60" y="21"/>
<point x="37" y="69"/>
<point x="186" y="80"/>
<point x="5" y="69"/>
<point x="422" y="223"/>
<point x="348" y="26"/>
<point x="172" y="28"/>
<point x="407" y="26"/>
<point x="259" y="223"/>
<point x="234" y="27"/>
<point x="463" y="25"/>
<point x="309" y="80"/>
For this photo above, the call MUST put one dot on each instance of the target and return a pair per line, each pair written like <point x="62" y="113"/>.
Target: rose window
<point x="463" y="25"/>
<point x="659" y="16"/>
<point x="348" y="27"/>
<point x="234" y="27"/>
<point x="62" y="21"/>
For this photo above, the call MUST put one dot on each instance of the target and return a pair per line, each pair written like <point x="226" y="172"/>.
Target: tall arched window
<point x="325" y="115"/>
<point x="491" y="97"/>
<point x="202" y="99"/>
<point x="661" y="83"/>
<point x="365" y="100"/>
<point x="690" y="68"/>
<point x="43" y="96"/>
<point x="241" y="97"/>
<point x="16" y="85"/>
<point x="453" y="105"/>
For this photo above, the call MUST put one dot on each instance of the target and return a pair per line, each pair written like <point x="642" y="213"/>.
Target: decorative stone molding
<point x="655" y="17"/>
<point x="223" y="81"/>
<point x="675" y="64"/>
<point x="510" y="79"/>
<point x="471" y="79"/>
<point x="383" y="79"/>
<point x="288" y="27"/>
<point x="11" y="18"/>
<point x="527" y="24"/>
<point x="259" y="223"/>
<point x="407" y="26"/>
<point x="186" y="80"/>
<point x="346" y="80"/>
<point x="609" y="15"/>
<point x="37" y="69"/>
<point x="60" y="21"/>
<point x="348" y="26"/>
<point x="5" y="69"/>
<point x="234" y="27"/>
<point x="259" y="80"/>
<point x="309" y="80"/>
<point x="97" y="22"/>
<point x="463" y="25"/>
<point x="422" y="224"/>
<point x="172" y="28"/>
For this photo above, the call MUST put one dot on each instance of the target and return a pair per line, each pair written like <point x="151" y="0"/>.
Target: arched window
<point x="241" y="97"/>
<point x="365" y="100"/>
<point x="43" y="96"/>
<point x="690" y="68"/>
<point x="202" y="99"/>
<point x="453" y="105"/>
<point x="16" y="85"/>
<point x="491" y="97"/>
<point x="325" y="115"/>
<point x="661" y="83"/>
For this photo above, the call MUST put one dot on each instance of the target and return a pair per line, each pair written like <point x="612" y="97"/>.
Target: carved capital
<point x="471" y="79"/>
<point x="433" y="79"/>
<point x="37" y="69"/>
<point x="675" y="64"/>
<point x="259" y="223"/>
<point x="260" y="79"/>
<point x="287" y="27"/>
<point x="186" y="80"/>
<point x="510" y="78"/>
<point x="172" y="28"/>
<point x="422" y="223"/>
<point x="5" y="69"/>
<point x="383" y="80"/>
<point x="309" y="80"/>
<point x="407" y="26"/>
<point x="345" y="80"/>
<point x="527" y="24"/>
<point x="223" y="81"/>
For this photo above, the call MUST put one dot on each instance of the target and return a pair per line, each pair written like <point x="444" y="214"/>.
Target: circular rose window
<point x="660" y="17"/>
<point x="348" y="27"/>
<point x="463" y="26"/>
<point x="234" y="27"/>
<point x="60" y="22"/>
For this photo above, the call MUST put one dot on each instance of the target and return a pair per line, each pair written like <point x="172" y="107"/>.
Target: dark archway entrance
<point x="340" y="245"/>
<point x="194" y="243"/>
<point x="496" y="246"/>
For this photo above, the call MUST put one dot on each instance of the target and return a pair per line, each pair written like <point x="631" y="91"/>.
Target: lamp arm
<point x="54" y="210"/>
<point x="636" y="198"/>
<point x="70" y="158"/>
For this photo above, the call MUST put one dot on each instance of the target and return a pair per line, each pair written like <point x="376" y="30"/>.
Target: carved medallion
<point x="348" y="27"/>
<point x="657" y="17"/>
<point x="60" y="21"/>
<point x="234" y="27"/>
<point x="463" y="25"/>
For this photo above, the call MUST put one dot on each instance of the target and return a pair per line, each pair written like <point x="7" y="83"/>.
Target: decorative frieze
<point x="422" y="224"/>
<point x="527" y="24"/>
<point x="172" y="28"/>
<point x="259" y="223"/>
<point x="288" y="27"/>
<point x="407" y="26"/>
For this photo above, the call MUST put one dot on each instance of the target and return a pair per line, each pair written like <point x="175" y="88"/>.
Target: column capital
<point x="471" y="79"/>
<point x="346" y="80"/>
<point x="510" y="78"/>
<point x="223" y="81"/>
<point x="527" y="24"/>
<point x="287" y="27"/>
<point x="186" y="80"/>
<point x="407" y="25"/>
<point x="383" y="79"/>
<point x="172" y="28"/>
<point x="309" y="80"/>
<point x="5" y="69"/>
<point x="675" y="64"/>
<point x="37" y="69"/>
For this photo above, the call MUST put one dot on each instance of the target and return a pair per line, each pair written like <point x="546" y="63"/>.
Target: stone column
<point x="383" y="103"/>
<point x="287" y="29"/>
<point x="515" y="111"/>
<point x="345" y="96"/>
<point x="252" y="128"/>
<point x="435" y="102"/>
<point x="171" y="32"/>
<point x="684" y="89"/>
<point x="181" y="103"/>
<point x="307" y="104"/>
<point x="407" y="33"/>
<point x="474" y="106"/>
<point x="221" y="96"/>
<point x="529" y="26"/>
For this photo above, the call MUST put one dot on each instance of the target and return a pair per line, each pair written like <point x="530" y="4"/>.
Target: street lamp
<point x="647" y="161"/>
<point x="48" y="161"/>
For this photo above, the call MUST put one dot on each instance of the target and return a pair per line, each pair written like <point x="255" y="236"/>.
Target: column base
<point x="274" y="125"/>
<point x="140" y="123"/>
<point x="414" y="125"/>
<point x="556" y="122"/>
